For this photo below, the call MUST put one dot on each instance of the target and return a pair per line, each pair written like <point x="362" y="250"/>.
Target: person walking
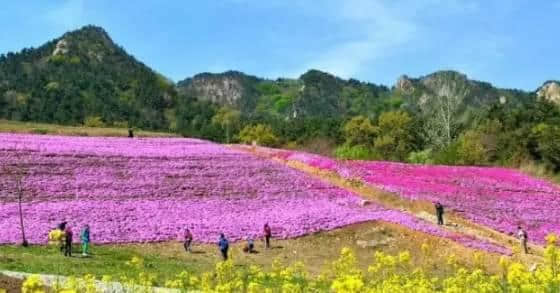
<point x="522" y="235"/>
<point x="267" y="235"/>
<point x="188" y="240"/>
<point x="439" y="213"/>
<point x="68" y="241"/>
<point x="84" y="236"/>
<point x="223" y="244"/>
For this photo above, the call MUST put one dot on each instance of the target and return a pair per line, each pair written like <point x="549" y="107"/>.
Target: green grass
<point x="168" y="259"/>
<point x="105" y="260"/>
<point x="43" y="128"/>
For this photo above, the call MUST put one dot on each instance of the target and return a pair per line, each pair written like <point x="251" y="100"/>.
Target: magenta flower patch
<point x="151" y="189"/>
<point x="499" y="198"/>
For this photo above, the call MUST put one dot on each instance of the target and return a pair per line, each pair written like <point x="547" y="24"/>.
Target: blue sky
<point x="511" y="44"/>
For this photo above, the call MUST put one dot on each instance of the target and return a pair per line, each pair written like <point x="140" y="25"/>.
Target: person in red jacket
<point x="267" y="235"/>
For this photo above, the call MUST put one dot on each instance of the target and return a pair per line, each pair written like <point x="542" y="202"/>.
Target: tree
<point x="359" y="131"/>
<point x="18" y="171"/>
<point x="228" y="119"/>
<point x="421" y="157"/>
<point x="471" y="149"/>
<point x="546" y="139"/>
<point x="260" y="133"/>
<point x="441" y="122"/>
<point x="320" y="95"/>
<point x="394" y="135"/>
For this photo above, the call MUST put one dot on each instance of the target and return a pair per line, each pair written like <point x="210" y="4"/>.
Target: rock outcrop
<point x="61" y="48"/>
<point x="550" y="91"/>
<point x="227" y="88"/>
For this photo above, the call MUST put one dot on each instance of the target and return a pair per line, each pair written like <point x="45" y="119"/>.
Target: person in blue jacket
<point x="84" y="236"/>
<point x="223" y="244"/>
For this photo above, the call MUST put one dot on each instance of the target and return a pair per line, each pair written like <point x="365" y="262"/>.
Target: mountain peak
<point x="90" y="41"/>
<point x="550" y="91"/>
<point x="91" y="30"/>
<point x="453" y="74"/>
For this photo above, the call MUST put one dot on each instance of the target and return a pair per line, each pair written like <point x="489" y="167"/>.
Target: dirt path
<point x="421" y="209"/>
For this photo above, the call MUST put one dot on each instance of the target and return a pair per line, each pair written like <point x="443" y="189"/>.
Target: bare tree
<point x="20" y="193"/>
<point x="441" y="122"/>
<point x="18" y="171"/>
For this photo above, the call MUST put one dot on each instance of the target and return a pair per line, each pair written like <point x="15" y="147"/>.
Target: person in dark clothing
<point x="130" y="133"/>
<point x="267" y="235"/>
<point x="523" y="237"/>
<point x="62" y="227"/>
<point x="68" y="240"/>
<point x="223" y="244"/>
<point x="188" y="240"/>
<point x="439" y="213"/>
<point x="250" y="245"/>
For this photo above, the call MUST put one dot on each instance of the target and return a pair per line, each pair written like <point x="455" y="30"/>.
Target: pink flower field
<point x="499" y="198"/>
<point x="147" y="190"/>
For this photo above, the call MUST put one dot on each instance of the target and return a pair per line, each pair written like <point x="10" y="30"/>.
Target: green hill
<point x="83" y="74"/>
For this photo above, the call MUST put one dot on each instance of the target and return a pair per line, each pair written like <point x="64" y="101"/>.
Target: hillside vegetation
<point x="84" y="78"/>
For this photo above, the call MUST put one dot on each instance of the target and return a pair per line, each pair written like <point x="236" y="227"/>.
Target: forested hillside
<point x="83" y="78"/>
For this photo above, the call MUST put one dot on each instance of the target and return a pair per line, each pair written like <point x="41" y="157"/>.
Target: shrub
<point x="39" y="131"/>
<point x="261" y="134"/>
<point x="33" y="284"/>
<point x="120" y="124"/>
<point x="421" y="157"/>
<point x="93" y="121"/>
<point x="448" y="155"/>
<point x="357" y="152"/>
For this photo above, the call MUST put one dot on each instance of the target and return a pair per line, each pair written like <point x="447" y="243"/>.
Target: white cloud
<point x="379" y="27"/>
<point x="68" y="15"/>
<point x="382" y="27"/>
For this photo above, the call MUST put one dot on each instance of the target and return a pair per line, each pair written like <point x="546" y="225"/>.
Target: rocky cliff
<point x="550" y="91"/>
